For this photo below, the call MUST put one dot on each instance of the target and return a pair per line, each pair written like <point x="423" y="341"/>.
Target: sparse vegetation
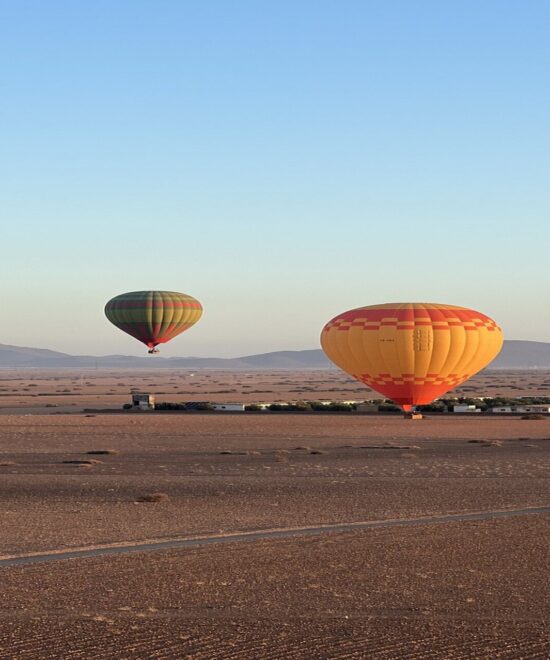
<point x="154" y="497"/>
<point x="388" y="406"/>
<point x="90" y="461"/>
<point x="103" y="452"/>
<point x="312" y="406"/>
<point x="199" y="405"/>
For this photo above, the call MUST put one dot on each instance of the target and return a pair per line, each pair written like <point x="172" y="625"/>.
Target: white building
<point x="229" y="407"/>
<point x="143" y="401"/>
<point x="540" y="408"/>
<point x="465" y="408"/>
<point x="371" y="408"/>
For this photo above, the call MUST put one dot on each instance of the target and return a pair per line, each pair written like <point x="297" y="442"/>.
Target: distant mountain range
<point x="514" y="355"/>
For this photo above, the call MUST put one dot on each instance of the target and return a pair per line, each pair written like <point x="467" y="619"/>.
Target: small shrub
<point x="90" y="461"/>
<point x="103" y="452"/>
<point x="388" y="407"/>
<point x="154" y="497"/>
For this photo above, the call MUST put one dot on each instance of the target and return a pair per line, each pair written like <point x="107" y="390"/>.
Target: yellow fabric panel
<point x="457" y="345"/>
<point x="417" y="343"/>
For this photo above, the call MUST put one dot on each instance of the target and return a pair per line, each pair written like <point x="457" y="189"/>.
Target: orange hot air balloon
<point x="411" y="353"/>
<point x="153" y="317"/>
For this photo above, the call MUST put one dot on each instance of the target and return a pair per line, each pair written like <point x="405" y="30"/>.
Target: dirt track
<point x="154" y="545"/>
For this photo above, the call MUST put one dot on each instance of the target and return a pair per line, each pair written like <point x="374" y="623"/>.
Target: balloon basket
<point x="413" y="415"/>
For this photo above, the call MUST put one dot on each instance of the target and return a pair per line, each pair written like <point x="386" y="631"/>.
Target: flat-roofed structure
<point x="143" y="401"/>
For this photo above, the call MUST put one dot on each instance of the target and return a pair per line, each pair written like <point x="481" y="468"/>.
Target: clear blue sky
<point x="282" y="161"/>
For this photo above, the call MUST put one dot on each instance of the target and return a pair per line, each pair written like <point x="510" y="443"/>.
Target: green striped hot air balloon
<point x="153" y="317"/>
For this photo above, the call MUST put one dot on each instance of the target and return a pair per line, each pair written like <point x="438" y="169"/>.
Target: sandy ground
<point x="30" y="390"/>
<point x="454" y="590"/>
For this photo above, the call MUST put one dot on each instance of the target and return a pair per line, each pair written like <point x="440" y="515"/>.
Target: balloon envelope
<point x="411" y="353"/>
<point x="153" y="317"/>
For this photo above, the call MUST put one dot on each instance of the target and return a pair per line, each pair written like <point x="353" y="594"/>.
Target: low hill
<point x="518" y="354"/>
<point x="515" y="355"/>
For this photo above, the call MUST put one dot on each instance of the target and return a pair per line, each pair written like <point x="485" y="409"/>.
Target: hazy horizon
<point x="163" y="353"/>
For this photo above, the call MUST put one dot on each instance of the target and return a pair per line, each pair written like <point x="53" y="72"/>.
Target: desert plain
<point x="284" y="568"/>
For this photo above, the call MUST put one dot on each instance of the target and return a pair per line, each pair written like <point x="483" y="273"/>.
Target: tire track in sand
<point x="256" y="535"/>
